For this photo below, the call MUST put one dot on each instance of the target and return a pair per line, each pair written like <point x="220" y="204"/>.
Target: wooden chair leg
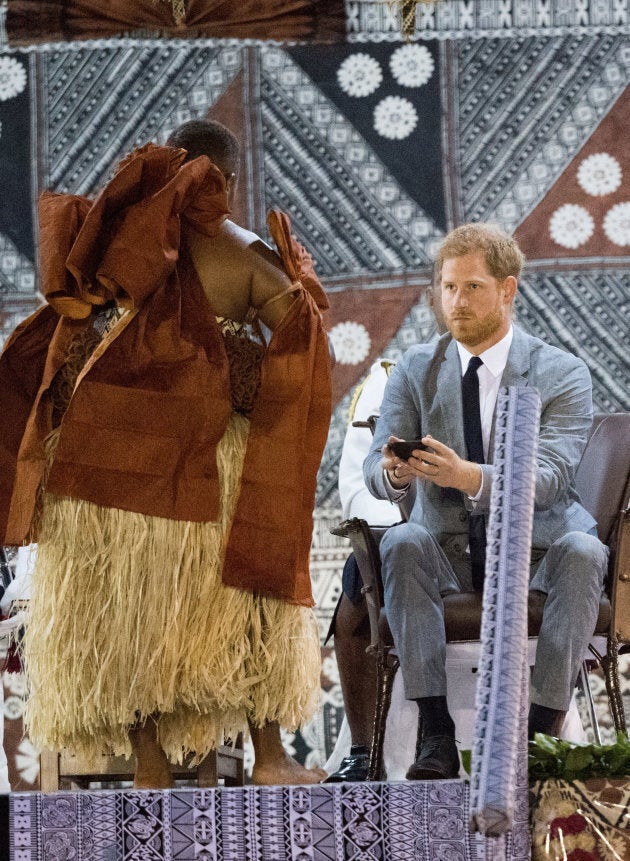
<point x="387" y="664"/>
<point x="230" y="762"/>
<point x="49" y="771"/>
<point x="610" y="665"/>
<point x="61" y="770"/>
<point x="588" y="695"/>
<point x="207" y="771"/>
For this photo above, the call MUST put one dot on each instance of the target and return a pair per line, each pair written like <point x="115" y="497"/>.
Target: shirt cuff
<point x="395" y="494"/>
<point x="477" y="496"/>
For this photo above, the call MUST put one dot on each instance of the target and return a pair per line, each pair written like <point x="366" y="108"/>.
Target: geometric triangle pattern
<point x="103" y="103"/>
<point x="375" y="76"/>
<point x="521" y="110"/>
<point x="344" y="203"/>
<point x="582" y="214"/>
<point x="360" y="822"/>
<point x="587" y="313"/>
<point x="144" y="835"/>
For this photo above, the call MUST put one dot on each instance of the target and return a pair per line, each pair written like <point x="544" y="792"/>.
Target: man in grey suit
<point x="445" y="395"/>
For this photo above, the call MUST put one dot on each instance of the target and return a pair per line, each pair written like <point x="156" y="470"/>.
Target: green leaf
<point x="466" y="756"/>
<point x="551" y="757"/>
<point x="547" y="743"/>
<point x="579" y="758"/>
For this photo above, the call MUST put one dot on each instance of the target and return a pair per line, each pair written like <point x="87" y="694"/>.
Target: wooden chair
<point x="603" y="482"/>
<point x="63" y="770"/>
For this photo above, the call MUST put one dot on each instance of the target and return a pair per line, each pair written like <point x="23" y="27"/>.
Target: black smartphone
<point x="405" y="448"/>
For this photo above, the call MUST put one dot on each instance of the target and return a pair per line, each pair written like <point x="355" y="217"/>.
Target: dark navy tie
<point x="474" y="444"/>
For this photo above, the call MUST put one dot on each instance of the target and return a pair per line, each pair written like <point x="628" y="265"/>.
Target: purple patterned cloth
<point x="499" y="759"/>
<point x="411" y="821"/>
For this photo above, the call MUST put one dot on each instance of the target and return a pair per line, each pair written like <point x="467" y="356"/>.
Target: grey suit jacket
<point x="423" y="395"/>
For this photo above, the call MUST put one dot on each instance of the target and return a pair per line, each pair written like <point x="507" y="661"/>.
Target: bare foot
<point x="152" y="767"/>
<point x="152" y="778"/>
<point x="285" y="771"/>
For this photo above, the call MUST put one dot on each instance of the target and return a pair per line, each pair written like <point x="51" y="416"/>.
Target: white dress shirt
<point x="494" y="361"/>
<point x="489" y="373"/>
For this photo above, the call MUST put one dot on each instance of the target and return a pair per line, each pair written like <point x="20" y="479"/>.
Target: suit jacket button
<point x="463" y="516"/>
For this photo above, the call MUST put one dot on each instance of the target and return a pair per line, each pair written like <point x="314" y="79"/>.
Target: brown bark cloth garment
<point x="158" y="586"/>
<point x="29" y="21"/>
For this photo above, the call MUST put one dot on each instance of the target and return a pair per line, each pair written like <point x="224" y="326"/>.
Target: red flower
<point x="573" y="824"/>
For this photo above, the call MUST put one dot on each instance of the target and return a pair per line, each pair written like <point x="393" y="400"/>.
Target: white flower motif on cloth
<point x="599" y="174"/>
<point x="359" y="75"/>
<point x="395" y="118"/>
<point x="13" y="708"/>
<point x="351" y="342"/>
<point x="15" y="683"/>
<point x="412" y="65"/>
<point x="617" y="223"/>
<point x="27" y="761"/>
<point x="12" y="78"/>
<point x="571" y="225"/>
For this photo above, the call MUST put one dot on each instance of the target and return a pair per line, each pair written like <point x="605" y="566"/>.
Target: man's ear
<point x="509" y="286"/>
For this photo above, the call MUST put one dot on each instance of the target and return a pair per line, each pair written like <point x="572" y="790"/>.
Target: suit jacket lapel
<point x="515" y="372"/>
<point x="449" y="400"/>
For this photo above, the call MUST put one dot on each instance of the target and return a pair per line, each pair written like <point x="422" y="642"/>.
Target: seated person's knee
<point x="404" y="539"/>
<point x="580" y="550"/>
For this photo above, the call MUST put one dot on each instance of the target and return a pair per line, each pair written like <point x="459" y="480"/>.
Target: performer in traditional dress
<point x="164" y="457"/>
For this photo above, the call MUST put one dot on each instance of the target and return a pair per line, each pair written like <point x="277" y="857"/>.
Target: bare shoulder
<point x="236" y="236"/>
<point x="257" y="249"/>
<point x="267" y="272"/>
<point x="239" y="270"/>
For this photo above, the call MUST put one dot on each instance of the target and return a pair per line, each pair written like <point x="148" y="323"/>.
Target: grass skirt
<point x="128" y="618"/>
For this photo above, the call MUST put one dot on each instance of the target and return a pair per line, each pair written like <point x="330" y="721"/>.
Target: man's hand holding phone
<point x="398" y="457"/>
<point x="405" y="448"/>
<point x="427" y="458"/>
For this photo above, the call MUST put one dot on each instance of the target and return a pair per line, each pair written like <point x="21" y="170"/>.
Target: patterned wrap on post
<point x="501" y="692"/>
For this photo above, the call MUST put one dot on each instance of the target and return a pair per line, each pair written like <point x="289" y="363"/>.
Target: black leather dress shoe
<point x="437" y="759"/>
<point x="353" y="769"/>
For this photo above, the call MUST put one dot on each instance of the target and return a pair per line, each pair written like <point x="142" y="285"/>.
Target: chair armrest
<point x="620" y="578"/>
<point x="365" y="540"/>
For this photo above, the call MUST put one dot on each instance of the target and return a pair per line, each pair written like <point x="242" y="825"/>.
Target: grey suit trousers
<point x="417" y="573"/>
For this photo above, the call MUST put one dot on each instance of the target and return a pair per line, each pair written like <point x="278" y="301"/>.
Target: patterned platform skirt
<point x="129" y="618"/>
